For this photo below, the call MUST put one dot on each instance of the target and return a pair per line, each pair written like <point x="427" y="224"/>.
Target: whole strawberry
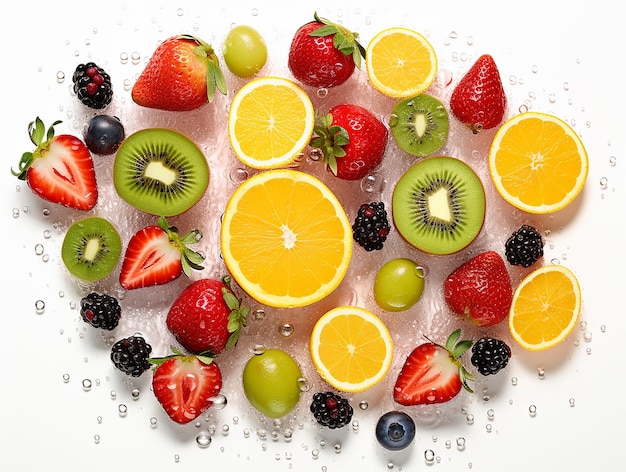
<point x="324" y="54"/>
<point x="185" y="385"/>
<point x="181" y="75"/>
<point x="478" y="100"/>
<point x="157" y="255"/>
<point x="480" y="289"/>
<point x="60" y="169"/>
<point x="433" y="373"/>
<point x="207" y="317"/>
<point x="352" y="140"/>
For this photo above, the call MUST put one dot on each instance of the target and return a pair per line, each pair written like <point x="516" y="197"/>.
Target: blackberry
<point x="490" y="355"/>
<point x="371" y="226"/>
<point x="131" y="355"/>
<point x="100" y="311"/>
<point x="331" y="410"/>
<point x="524" y="247"/>
<point x="92" y="85"/>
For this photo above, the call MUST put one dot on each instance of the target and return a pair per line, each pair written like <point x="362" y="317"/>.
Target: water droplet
<point x="286" y="329"/>
<point x="534" y="69"/>
<point x="113" y="394"/>
<point x="604" y="182"/>
<point x="565" y="86"/>
<point x="469" y="419"/>
<point x="86" y="385"/>
<point x="612" y="160"/>
<point x="238" y="175"/>
<point x="572" y="402"/>
<point x="532" y="409"/>
<point x="337" y="448"/>
<point x="219" y="401"/>
<point x="135" y="393"/>
<point x="363" y="405"/>
<point x="470" y="40"/>
<point x="587" y="336"/>
<point x="541" y="373"/>
<point x="490" y="414"/>
<point x="153" y="422"/>
<point x="460" y="442"/>
<point x="180" y="12"/>
<point x="96" y="438"/>
<point x="322" y="92"/>
<point x="225" y="429"/>
<point x="448" y="444"/>
<point x="602" y="328"/>
<point x="135" y="57"/>
<point x="16" y="212"/>
<point x="122" y="409"/>
<point x="303" y="385"/>
<point x="60" y="77"/>
<point x="176" y="458"/>
<point x="488" y="428"/>
<point x="66" y="378"/>
<point x="315" y="453"/>
<point x="40" y="306"/>
<point x="429" y="456"/>
<point x="258" y="315"/>
<point x="373" y="183"/>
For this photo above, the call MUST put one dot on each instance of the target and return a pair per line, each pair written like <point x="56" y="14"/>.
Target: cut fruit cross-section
<point x="401" y="63"/>
<point x="285" y="238"/>
<point x="546" y="306"/>
<point x="351" y="348"/>
<point x="538" y="163"/>
<point x="270" y="122"/>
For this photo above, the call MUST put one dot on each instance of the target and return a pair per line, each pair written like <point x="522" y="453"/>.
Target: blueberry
<point x="104" y="134"/>
<point x="395" y="430"/>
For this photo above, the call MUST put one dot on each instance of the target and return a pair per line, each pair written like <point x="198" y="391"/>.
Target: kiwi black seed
<point x="438" y="205"/>
<point x="419" y="125"/>
<point x="160" y="171"/>
<point x="91" y="248"/>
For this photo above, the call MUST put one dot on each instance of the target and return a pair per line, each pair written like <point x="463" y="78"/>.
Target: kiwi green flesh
<point x="91" y="248"/>
<point x="438" y="205"/>
<point x="160" y="171"/>
<point x="420" y="125"/>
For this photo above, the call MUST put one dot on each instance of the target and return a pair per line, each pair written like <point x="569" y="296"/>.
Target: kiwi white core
<point x="439" y="205"/>
<point x="157" y="171"/>
<point x="91" y="249"/>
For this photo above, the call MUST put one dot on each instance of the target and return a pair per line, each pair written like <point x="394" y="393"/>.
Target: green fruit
<point x="438" y="205"/>
<point x="419" y="125"/>
<point x="91" y="248"/>
<point x="271" y="382"/>
<point x="160" y="171"/>
<point x="399" y="284"/>
<point x="244" y="51"/>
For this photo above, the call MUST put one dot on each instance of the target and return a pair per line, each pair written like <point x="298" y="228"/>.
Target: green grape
<point x="244" y="51"/>
<point x="271" y="382"/>
<point x="399" y="284"/>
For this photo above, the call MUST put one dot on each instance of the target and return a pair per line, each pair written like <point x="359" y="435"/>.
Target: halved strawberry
<point x="60" y="170"/>
<point x="433" y="373"/>
<point x="185" y="385"/>
<point x="157" y="255"/>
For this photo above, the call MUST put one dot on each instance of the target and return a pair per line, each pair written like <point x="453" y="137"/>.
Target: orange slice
<point x="351" y="348"/>
<point x="538" y="163"/>
<point x="401" y="63"/>
<point x="270" y="122"/>
<point x="285" y="238"/>
<point x="546" y="306"/>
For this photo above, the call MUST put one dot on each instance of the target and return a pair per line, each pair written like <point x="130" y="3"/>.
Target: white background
<point x="567" y="50"/>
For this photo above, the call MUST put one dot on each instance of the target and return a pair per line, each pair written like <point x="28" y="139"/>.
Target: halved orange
<point x="270" y="122"/>
<point x="401" y="63"/>
<point x="538" y="163"/>
<point x="546" y="306"/>
<point x="351" y="348"/>
<point x="285" y="238"/>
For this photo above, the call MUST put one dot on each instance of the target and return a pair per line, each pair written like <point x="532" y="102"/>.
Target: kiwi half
<point x="419" y="125"/>
<point x="91" y="248"/>
<point x="438" y="205"/>
<point x="160" y="171"/>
